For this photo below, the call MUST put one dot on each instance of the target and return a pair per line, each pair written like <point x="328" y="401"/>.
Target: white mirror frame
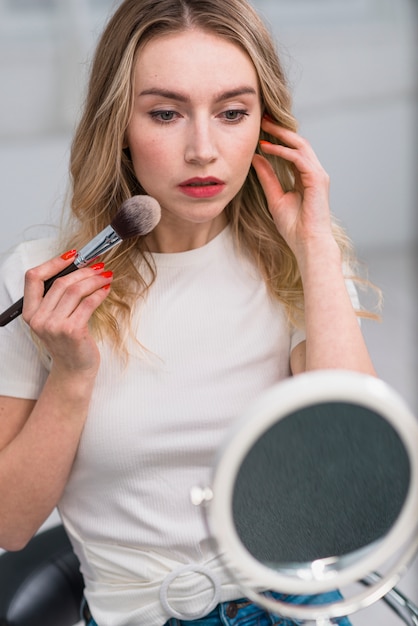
<point x="400" y="543"/>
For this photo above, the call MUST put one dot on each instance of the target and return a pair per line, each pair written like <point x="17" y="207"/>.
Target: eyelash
<point x="156" y="115"/>
<point x="242" y="114"/>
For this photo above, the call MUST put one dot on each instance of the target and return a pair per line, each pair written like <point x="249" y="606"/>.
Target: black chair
<point x="41" y="585"/>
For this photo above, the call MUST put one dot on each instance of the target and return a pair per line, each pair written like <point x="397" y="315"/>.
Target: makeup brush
<point x="138" y="215"/>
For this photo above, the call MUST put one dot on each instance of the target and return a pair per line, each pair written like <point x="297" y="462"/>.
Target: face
<point x="195" y="125"/>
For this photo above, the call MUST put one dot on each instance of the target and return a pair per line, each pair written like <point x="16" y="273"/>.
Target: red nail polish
<point x="68" y="255"/>
<point x="97" y="266"/>
<point x="264" y="143"/>
<point x="107" y="274"/>
<point x="106" y="286"/>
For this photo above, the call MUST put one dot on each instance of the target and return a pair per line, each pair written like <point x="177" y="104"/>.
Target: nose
<point x="200" y="146"/>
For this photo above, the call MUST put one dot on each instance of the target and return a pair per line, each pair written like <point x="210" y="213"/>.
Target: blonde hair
<point x="101" y="170"/>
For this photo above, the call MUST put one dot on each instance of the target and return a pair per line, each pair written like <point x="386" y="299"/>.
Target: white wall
<point x="44" y="52"/>
<point x="352" y="64"/>
<point x="355" y="80"/>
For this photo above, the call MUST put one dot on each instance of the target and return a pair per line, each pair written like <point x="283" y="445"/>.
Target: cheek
<point x="149" y="157"/>
<point x="244" y="154"/>
<point x="247" y="145"/>
<point x="250" y="137"/>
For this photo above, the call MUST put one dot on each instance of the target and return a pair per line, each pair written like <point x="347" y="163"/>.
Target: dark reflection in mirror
<point x="324" y="481"/>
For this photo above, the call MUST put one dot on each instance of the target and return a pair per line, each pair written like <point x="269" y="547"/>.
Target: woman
<point x="121" y="381"/>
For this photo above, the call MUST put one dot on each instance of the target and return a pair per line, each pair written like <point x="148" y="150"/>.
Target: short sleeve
<point x="22" y="371"/>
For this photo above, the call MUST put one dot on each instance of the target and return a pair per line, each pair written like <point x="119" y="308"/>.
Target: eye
<point x="164" y="116"/>
<point x="234" y="115"/>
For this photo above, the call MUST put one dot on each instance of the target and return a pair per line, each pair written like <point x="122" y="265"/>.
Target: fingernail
<point x="68" y="255"/>
<point x="107" y="274"/>
<point x="97" y="266"/>
<point x="265" y="143"/>
<point x="106" y="286"/>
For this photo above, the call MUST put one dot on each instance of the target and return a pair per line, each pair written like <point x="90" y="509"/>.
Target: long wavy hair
<point x="102" y="175"/>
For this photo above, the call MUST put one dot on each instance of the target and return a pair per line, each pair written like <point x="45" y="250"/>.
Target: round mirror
<point x="318" y="464"/>
<point x="315" y="488"/>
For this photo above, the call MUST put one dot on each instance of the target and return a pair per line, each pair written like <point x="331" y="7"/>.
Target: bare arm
<point x="35" y="463"/>
<point x="333" y="335"/>
<point x="39" y="439"/>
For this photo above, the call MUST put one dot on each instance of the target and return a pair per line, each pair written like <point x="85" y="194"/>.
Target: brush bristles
<point x="138" y="215"/>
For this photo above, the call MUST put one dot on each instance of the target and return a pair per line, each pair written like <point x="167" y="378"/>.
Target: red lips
<point x="198" y="187"/>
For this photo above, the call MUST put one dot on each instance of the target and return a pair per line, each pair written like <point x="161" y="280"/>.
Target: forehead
<point x="193" y="59"/>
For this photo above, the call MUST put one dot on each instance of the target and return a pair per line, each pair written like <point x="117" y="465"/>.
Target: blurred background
<point x="352" y="65"/>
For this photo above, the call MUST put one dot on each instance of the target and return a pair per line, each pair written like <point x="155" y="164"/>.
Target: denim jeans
<point x="244" y="612"/>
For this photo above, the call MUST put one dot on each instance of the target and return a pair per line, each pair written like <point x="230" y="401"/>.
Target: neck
<point x="166" y="238"/>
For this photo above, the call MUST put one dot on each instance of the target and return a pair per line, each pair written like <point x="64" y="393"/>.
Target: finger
<point x="287" y="136"/>
<point x="70" y="317"/>
<point x="298" y="158"/>
<point x="68" y="340"/>
<point x="50" y="268"/>
<point x="67" y="293"/>
<point x="35" y="279"/>
<point x="268" y="179"/>
<point x="308" y="172"/>
<point x="290" y="139"/>
<point x="69" y="288"/>
<point x="55" y="325"/>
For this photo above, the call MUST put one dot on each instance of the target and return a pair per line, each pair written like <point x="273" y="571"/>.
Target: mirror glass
<point x="328" y="480"/>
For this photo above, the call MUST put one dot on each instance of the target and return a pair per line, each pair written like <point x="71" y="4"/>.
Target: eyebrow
<point x="175" y="95"/>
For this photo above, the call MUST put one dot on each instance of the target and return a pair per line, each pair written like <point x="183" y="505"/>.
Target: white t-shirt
<point x="213" y="341"/>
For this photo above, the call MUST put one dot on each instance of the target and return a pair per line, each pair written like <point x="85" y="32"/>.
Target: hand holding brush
<point x="136" y="216"/>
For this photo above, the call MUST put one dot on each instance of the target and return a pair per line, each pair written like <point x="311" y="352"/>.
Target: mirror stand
<point x="397" y="601"/>
<point x="377" y="587"/>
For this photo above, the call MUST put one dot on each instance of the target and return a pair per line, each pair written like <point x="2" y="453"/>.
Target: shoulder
<point x="29" y="253"/>
<point x="15" y="262"/>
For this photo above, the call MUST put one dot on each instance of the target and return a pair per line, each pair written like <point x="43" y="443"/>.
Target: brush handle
<point x="16" y="309"/>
